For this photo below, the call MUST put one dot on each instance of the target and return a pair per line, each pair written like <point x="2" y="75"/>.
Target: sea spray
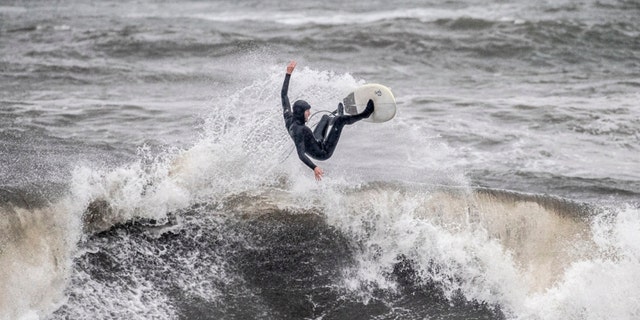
<point x="461" y="261"/>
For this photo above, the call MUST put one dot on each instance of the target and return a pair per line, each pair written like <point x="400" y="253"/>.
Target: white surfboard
<point x="383" y="100"/>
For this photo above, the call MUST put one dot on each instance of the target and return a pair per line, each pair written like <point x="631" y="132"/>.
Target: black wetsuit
<point x="318" y="144"/>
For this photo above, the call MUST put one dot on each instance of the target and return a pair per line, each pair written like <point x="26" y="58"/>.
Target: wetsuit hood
<point x="299" y="107"/>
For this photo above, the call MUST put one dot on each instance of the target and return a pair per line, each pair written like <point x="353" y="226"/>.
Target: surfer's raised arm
<point x="286" y="105"/>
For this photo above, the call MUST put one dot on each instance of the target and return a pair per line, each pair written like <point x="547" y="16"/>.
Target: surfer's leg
<point x="331" y="141"/>
<point x="337" y="123"/>
<point x="321" y="128"/>
<point x="363" y="115"/>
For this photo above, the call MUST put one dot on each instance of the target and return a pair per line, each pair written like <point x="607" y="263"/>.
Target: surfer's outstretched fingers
<point x="318" y="173"/>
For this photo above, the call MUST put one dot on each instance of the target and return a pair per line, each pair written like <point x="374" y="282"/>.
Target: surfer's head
<point x="301" y="111"/>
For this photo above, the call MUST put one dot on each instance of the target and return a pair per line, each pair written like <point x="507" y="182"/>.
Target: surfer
<point x="320" y="143"/>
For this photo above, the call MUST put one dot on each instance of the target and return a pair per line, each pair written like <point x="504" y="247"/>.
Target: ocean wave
<point x="549" y="42"/>
<point x="413" y="33"/>
<point x="12" y="10"/>
<point x="358" y="16"/>
<point x="523" y="224"/>
<point x="494" y="247"/>
<point x="155" y="49"/>
<point x="270" y="203"/>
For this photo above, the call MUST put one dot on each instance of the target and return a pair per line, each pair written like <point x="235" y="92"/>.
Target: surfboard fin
<point x="339" y="111"/>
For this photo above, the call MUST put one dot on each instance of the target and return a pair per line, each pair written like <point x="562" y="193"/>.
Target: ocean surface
<point x="145" y="171"/>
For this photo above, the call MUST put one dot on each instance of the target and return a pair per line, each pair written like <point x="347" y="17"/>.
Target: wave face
<point x="145" y="171"/>
<point x="371" y="250"/>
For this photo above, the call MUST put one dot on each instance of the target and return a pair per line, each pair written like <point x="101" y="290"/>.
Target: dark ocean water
<point x="145" y="171"/>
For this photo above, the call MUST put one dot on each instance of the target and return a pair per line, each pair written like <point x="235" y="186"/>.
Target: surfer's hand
<point x="318" y="172"/>
<point x="291" y="66"/>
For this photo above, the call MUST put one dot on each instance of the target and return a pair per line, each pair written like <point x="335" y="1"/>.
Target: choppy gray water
<point x="145" y="171"/>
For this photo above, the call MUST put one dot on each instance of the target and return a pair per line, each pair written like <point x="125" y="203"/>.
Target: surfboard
<point x="383" y="100"/>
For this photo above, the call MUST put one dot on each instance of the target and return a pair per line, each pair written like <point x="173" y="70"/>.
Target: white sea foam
<point x="603" y="287"/>
<point x="36" y="250"/>
<point x="534" y="260"/>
